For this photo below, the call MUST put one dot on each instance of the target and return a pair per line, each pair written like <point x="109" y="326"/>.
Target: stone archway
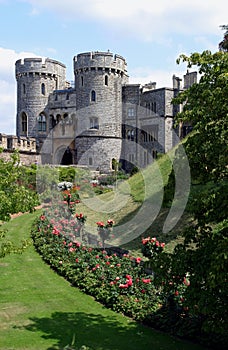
<point x="67" y="158"/>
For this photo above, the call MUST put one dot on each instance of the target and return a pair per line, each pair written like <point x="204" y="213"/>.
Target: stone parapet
<point x="105" y="60"/>
<point x="22" y="144"/>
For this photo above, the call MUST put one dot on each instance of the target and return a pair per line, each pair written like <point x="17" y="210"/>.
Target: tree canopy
<point x="16" y="196"/>
<point x="223" y="45"/>
<point x="203" y="253"/>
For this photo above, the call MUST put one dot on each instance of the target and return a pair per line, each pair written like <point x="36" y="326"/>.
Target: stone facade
<point x="101" y="118"/>
<point x="26" y="147"/>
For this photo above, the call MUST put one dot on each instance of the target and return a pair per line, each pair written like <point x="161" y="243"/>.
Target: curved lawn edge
<point x="39" y="310"/>
<point x="149" y="331"/>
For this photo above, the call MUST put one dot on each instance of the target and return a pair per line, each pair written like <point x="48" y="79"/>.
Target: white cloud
<point x="8" y="88"/>
<point x="163" y="78"/>
<point x="146" y="19"/>
<point x="7" y="102"/>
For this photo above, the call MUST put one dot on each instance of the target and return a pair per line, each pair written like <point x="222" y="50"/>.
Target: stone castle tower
<point x="101" y="118"/>
<point x="36" y="79"/>
<point x="99" y="78"/>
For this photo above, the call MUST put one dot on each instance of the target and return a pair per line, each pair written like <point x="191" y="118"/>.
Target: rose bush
<point x="158" y="298"/>
<point x="105" y="230"/>
<point x="118" y="282"/>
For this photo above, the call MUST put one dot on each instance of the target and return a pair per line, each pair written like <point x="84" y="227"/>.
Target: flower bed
<point x="118" y="282"/>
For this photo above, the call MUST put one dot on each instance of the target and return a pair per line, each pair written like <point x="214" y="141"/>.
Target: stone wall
<point x="102" y="117"/>
<point x="25" y="146"/>
<point x="36" y="79"/>
<point x="25" y="157"/>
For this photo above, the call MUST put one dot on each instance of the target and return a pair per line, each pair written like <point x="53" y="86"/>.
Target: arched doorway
<point x="67" y="158"/>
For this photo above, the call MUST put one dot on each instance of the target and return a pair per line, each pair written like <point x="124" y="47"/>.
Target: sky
<point x="149" y="34"/>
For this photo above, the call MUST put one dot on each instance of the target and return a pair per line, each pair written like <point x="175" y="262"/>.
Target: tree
<point x="206" y="107"/>
<point x="223" y="45"/>
<point x="15" y="197"/>
<point x="203" y="255"/>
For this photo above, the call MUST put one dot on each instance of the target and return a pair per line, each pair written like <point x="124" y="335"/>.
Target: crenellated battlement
<point x="48" y="67"/>
<point x="22" y="144"/>
<point x="99" y="119"/>
<point x="99" y="60"/>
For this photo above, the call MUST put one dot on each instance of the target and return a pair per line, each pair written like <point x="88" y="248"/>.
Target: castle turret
<point x="36" y="79"/>
<point x="190" y="78"/>
<point x="99" y="77"/>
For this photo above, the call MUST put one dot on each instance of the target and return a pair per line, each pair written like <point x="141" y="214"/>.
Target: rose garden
<point x="174" y="281"/>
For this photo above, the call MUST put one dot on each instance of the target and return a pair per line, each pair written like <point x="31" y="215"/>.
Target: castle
<point x="100" y="120"/>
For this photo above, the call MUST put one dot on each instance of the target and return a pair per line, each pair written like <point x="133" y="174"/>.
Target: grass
<point x="143" y="190"/>
<point x="39" y="310"/>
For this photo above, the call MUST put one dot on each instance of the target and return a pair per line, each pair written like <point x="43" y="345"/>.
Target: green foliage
<point x="206" y="107"/>
<point x="203" y="254"/>
<point x="8" y="247"/>
<point x="47" y="178"/>
<point x="67" y="174"/>
<point x="223" y="45"/>
<point x="118" y="282"/>
<point x="46" y="311"/>
<point x="74" y="175"/>
<point x="169" y="190"/>
<point x="16" y="195"/>
<point x="134" y="170"/>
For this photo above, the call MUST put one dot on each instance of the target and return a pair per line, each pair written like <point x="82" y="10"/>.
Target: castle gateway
<point x="98" y="119"/>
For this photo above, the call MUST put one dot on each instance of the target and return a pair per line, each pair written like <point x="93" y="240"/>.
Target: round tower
<point x="36" y="79"/>
<point x="99" y="77"/>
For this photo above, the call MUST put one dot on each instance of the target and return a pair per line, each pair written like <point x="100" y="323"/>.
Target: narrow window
<point x="93" y="96"/>
<point x="24" y="89"/>
<point x="94" y="124"/>
<point x="150" y="138"/>
<point x="42" y="123"/>
<point x="144" y="136"/>
<point x="131" y="112"/>
<point x="82" y="81"/>
<point x="24" y="124"/>
<point x="145" y="158"/>
<point x="106" y="80"/>
<point x="155" y="107"/>
<point x="67" y="97"/>
<point x="131" y="157"/>
<point x="90" y="161"/>
<point x="154" y="132"/>
<point x="43" y="89"/>
<point x="53" y="122"/>
<point x="154" y="154"/>
<point x="131" y="135"/>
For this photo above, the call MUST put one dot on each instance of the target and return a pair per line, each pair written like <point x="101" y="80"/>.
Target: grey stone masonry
<point x="99" y="119"/>
<point x="36" y="79"/>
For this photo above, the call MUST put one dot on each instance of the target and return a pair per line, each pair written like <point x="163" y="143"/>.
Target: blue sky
<point x="150" y="34"/>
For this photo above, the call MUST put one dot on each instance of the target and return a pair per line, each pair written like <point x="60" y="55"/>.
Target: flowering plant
<point x="151" y="247"/>
<point x="81" y="218"/>
<point x="104" y="230"/>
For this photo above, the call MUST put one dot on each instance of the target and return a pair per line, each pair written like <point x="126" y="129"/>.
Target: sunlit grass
<point x="39" y="310"/>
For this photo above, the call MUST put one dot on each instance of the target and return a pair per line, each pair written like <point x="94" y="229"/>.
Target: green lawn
<point x="40" y="310"/>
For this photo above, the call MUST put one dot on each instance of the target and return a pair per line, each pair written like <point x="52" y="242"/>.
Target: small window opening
<point x="24" y="123"/>
<point x="43" y="89"/>
<point x="93" y="96"/>
<point x="42" y="124"/>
